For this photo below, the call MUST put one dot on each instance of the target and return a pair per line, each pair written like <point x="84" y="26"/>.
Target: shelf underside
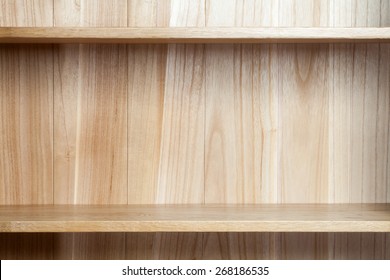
<point x="192" y="35"/>
<point x="197" y="218"/>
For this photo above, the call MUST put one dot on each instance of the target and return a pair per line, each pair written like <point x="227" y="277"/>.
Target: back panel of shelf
<point x="269" y="123"/>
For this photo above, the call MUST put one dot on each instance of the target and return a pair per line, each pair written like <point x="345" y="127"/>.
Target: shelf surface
<point x="191" y="35"/>
<point x="197" y="218"/>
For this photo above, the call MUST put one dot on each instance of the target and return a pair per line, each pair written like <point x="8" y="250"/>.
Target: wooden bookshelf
<point x="238" y="129"/>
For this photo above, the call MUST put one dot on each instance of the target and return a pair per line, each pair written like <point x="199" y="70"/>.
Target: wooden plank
<point x="26" y="126"/>
<point x="89" y="246"/>
<point x="146" y="78"/>
<point x="303" y="153"/>
<point x="181" y="172"/>
<point x="241" y="111"/>
<point x="166" y="125"/>
<point x="26" y="13"/>
<point x="192" y="35"/>
<point x="91" y="109"/>
<point x="164" y="246"/>
<point x="251" y="13"/>
<point x="90" y="125"/>
<point x="26" y="246"/>
<point x="241" y="117"/>
<point x="360" y="246"/>
<point x="361" y="99"/>
<point x="359" y="108"/>
<point x="241" y="246"/>
<point x="26" y="100"/>
<point x="360" y="13"/>
<point x="216" y="218"/>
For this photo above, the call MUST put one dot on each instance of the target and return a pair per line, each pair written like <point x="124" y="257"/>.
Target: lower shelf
<point x="197" y="218"/>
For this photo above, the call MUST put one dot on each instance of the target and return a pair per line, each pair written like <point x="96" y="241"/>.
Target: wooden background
<point x="131" y="124"/>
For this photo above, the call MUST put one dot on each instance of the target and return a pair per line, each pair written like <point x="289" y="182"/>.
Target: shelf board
<point x="197" y="218"/>
<point x="192" y="35"/>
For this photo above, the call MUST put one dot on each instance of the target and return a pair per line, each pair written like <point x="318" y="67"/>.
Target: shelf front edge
<point x="191" y="35"/>
<point x="189" y="226"/>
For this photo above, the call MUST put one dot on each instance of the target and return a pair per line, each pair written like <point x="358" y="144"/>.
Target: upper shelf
<point x="197" y="218"/>
<point x="191" y="35"/>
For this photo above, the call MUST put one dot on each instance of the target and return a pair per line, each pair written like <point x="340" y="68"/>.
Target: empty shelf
<point x="191" y="35"/>
<point x="197" y="218"/>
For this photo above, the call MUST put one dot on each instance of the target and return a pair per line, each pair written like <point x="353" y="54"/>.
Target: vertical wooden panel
<point x="241" y="124"/>
<point x="32" y="13"/>
<point x="360" y="13"/>
<point x="26" y="246"/>
<point x="241" y="246"/>
<point x="248" y="13"/>
<point x="181" y="174"/>
<point x="163" y="133"/>
<point x="241" y="121"/>
<point x="303" y="13"/>
<point x="164" y="246"/>
<point x="26" y="126"/>
<point x="147" y="65"/>
<point x="241" y="112"/>
<point x="89" y="246"/>
<point x="166" y="122"/>
<point x="303" y="111"/>
<point x="359" y="107"/>
<point x="91" y="110"/>
<point x="359" y="246"/>
<point x="90" y="125"/>
<point x="26" y="109"/>
<point x="304" y="246"/>
<point x="66" y="92"/>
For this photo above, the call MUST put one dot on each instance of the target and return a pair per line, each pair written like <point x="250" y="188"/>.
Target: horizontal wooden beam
<point x="197" y="218"/>
<point x="192" y="35"/>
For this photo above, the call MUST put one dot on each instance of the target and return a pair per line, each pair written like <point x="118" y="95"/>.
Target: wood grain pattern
<point x="359" y="109"/>
<point x="89" y="246"/>
<point x="26" y="126"/>
<point x="166" y="139"/>
<point x="303" y="153"/>
<point x="164" y="246"/>
<point x="181" y="174"/>
<point x="37" y="13"/>
<point x="360" y="123"/>
<point x="147" y="65"/>
<point x="91" y="124"/>
<point x="241" y="118"/>
<point x="197" y="35"/>
<point x="215" y="218"/>
<point x="26" y="246"/>
<point x="26" y="98"/>
<point x="91" y="119"/>
<point x="326" y="105"/>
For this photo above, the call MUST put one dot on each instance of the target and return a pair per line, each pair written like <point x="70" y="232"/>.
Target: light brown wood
<point x="26" y="112"/>
<point x="257" y="96"/>
<point x="164" y="246"/>
<point x="26" y="126"/>
<point x="23" y="13"/>
<point x="192" y="35"/>
<point x="359" y="157"/>
<point x="91" y="109"/>
<point x="181" y="172"/>
<point x="213" y="218"/>
<point x="90" y="124"/>
<point x="303" y="111"/>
